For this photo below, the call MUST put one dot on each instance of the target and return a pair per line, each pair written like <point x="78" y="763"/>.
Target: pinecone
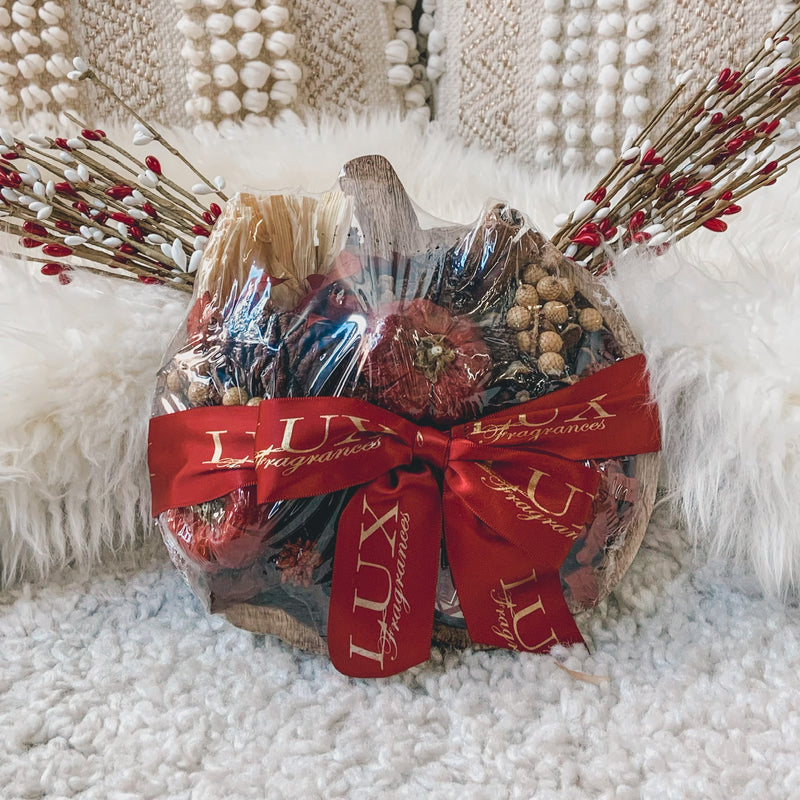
<point x="502" y="345"/>
<point x="320" y="358"/>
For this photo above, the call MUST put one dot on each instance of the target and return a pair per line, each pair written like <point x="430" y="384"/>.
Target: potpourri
<point x="441" y="336"/>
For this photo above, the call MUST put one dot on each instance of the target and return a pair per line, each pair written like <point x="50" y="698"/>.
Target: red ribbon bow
<point x="508" y="490"/>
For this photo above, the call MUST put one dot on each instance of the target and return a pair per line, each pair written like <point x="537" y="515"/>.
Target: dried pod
<point x="567" y="289"/>
<point x="526" y="342"/>
<point x="254" y="401"/>
<point x="484" y="262"/>
<point x="550" y="342"/>
<point x="551" y="364"/>
<point x="526" y="296"/>
<point x="174" y="380"/>
<point x="533" y="273"/>
<point x="549" y="288"/>
<point x="200" y="392"/>
<point x="556" y="312"/>
<point x="590" y="319"/>
<point x="518" y="318"/>
<point x="234" y="396"/>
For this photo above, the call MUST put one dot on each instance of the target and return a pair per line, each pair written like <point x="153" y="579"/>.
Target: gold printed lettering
<point x="531" y="492"/>
<point x="217" y="459"/>
<point x="520" y="582"/>
<point x="353" y="438"/>
<point x="593" y="405"/>
<point x="519" y="615"/>
<point x="526" y="510"/>
<point x="288" y="431"/>
<point x="523" y="420"/>
<point x="551" y="639"/>
<point x="379" y="524"/>
<point x="355" y="650"/>
<point x="511" y="430"/>
<point x="359" y="428"/>
<point x="291" y="465"/>
<point x="372" y="605"/>
<point x="504" y="603"/>
<point x="216" y="436"/>
<point x="358" y="424"/>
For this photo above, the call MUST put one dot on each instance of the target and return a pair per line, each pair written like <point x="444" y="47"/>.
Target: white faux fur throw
<point x="77" y="363"/>
<point x="721" y="345"/>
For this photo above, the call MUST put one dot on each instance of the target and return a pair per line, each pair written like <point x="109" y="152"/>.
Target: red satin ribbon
<point x="508" y="490"/>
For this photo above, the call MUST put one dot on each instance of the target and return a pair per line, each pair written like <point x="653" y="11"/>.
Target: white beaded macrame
<point x="404" y="70"/>
<point x="436" y="42"/>
<point x="642" y="24"/>
<point x="548" y="79"/>
<point x="608" y="79"/>
<point x="35" y="49"/>
<point x="567" y="82"/>
<point x="238" y="55"/>
<point x="182" y="62"/>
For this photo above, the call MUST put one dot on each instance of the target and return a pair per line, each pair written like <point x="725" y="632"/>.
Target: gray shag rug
<point x="117" y="684"/>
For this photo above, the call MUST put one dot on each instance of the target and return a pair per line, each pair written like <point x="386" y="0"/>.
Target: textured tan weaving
<point x="562" y="80"/>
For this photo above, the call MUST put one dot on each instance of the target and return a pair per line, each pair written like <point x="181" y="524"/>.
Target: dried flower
<point x="77" y="198"/>
<point x="426" y="364"/>
<point x="297" y="562"/>
<point x="227" y="532"/>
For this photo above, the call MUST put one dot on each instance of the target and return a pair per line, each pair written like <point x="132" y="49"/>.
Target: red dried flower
<point x="57" y="250"/>
<point x="120" y="191"/>
<point x="118" y="216"/>
<point x="426" y="364"/>
<point x="715" y="224"/>
<point x="297" y="562"/>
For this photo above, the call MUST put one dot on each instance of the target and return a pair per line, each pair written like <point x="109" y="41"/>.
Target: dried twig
<point x="89" y="203"/>
<point x="721" y="147"/>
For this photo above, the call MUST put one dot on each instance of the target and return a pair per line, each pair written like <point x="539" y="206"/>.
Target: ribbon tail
<point x="384" y="575"/>
<point x="510" y="597"/>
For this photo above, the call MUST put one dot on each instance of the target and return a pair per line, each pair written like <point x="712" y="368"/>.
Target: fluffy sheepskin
<point x="724" y="369"/>
<point x="77" y="369"/>
<point x="719" y="325"/>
